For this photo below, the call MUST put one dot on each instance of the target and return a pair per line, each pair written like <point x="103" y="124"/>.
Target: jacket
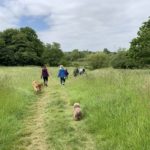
<point x="61" y="73"/>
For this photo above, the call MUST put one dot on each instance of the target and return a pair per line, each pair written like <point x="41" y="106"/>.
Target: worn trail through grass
<point x="50" y="125"/>
<point x="34" y="136"/>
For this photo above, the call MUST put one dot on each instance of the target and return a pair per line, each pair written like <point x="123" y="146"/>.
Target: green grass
<point x="16" y="95"/>
<point x="115" y="104"/>
<point x="63" y="132"/>
<point x="116" y="107"/>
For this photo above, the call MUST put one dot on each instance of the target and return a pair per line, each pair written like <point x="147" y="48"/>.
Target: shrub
<point x="98" y="60"/>
<point x="123" y="61"/>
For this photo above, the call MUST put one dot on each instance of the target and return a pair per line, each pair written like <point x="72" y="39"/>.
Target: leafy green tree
<point x="28" y="58"/>
<point x="140" y="46"/>
<point x="98" y="60"/>
<point x="53" y="54"/>
<point x="106" y="51"/>
<point x="7" y="56"/>
<point x="121" y="60"/>
<point x="76" y="54"/>
<point x="7" y="49"/>
<point x="20" y="47"/>
<point x="8" y="34"/>
<point x="55" y="45"/>
<point x="33" y="43"/>
<point x="30" y="33"/>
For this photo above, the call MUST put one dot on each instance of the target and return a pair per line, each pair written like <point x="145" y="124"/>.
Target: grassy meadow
<point x="16" y="95"/>
<point x="115" y="104"/>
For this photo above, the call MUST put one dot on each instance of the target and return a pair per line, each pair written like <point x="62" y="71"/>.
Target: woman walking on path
<point x="62" y="75"/>
<point x="45" y="75"/>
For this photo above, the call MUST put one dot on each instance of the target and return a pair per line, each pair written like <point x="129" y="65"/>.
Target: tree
<point x="55" y="45"/>
<point x="20" y="47"/>
<point x="76" y="54"/>
<point x="98" y="60"/>
<point x="53" y="54"/>
<point x="140" y="46"/>
<point x="122" y="60"/>
<point x="106" y="51"/>
<point x="7" y="56"/>
<point x="7" y="49"/>
<point x="8" y="34"/>
<point x="29" y="32"/>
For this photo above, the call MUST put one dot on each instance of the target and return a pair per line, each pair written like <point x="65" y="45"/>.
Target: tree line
<point x="23" y="47"/>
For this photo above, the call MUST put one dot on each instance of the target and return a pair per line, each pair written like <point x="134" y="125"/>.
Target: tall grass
<point x="15" y="96"/>
<point x="116" y="104"/>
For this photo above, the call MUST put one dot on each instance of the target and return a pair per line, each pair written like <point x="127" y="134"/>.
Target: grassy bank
<point x="116" y="107"/>
<point x="16" y="95"/>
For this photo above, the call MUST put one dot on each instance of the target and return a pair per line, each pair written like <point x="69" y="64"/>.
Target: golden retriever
<point x="37" y="86"/>
<point x="77" y="114"/>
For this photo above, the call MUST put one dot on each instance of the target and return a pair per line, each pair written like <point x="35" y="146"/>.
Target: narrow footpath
<point x="51" y="125"/>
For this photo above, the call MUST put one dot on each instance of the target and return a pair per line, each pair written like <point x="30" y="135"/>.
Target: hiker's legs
<point x="45" y="81"/>
<point x="62" y="80"/>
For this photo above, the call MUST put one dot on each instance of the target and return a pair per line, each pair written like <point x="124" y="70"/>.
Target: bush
<point x="64" y="62"/>
<point x="98" y="60"/>
<point x="123" y="61"/>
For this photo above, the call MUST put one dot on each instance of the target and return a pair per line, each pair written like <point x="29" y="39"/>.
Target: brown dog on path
<point x="37" y="86"/>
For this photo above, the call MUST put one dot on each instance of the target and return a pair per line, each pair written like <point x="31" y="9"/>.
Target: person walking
<point x="66" y="73"/>
<point x="76" y="72"/>
<point x="62" y="75"/>
<point x="45" y="75"/>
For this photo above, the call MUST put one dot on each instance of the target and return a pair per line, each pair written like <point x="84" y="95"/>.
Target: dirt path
<point x="36" y="125"/>
<point x="51" y="126"/>
<point x="34" y="137"/>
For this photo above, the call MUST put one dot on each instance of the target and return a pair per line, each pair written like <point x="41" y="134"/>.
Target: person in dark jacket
<point x="45" y="75"/>
<point x="62" y="75"/>
<point x="66" y="73"/>
<point x="76" y="72"/>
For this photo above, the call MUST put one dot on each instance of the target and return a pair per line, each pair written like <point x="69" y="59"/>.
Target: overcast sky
<point x="82" y="24"/>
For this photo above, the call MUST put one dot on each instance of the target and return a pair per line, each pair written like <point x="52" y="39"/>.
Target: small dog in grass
<point x="77" y="114"/>
<point x="37" y="86"/>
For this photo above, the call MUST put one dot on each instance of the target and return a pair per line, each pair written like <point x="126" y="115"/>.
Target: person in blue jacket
<point x="62" y="75"/>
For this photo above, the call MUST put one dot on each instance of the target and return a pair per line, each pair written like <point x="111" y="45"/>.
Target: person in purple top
<point x="45" y="75"/>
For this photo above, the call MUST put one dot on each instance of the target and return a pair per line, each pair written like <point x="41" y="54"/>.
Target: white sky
<point x="82" y="24"/>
